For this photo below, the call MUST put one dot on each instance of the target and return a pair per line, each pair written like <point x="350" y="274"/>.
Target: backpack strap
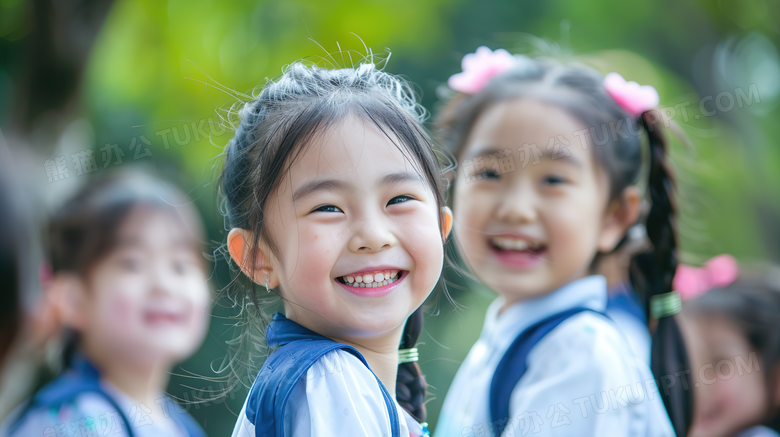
<point x="81" y="377"/>
<point x="513" y="365"/>
<point x="285" y="367"/>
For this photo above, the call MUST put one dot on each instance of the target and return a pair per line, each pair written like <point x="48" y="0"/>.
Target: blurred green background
<point x="154" y="84"/>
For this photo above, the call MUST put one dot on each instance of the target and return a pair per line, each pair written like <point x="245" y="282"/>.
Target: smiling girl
<point x="335" y="202"/>
<point x="129" y="281"/>
<point x="542" y="192"/>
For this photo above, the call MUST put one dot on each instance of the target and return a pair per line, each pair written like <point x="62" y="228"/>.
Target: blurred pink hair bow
<point x="719" y="271"/>
<point x="635" y="99"/>
<point x="479" y="68"/>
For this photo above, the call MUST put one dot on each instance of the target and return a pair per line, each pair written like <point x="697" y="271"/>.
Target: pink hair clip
<point x="479" y="68"/>
<point x="719" y="271"/>
<point x="635" y="99"/>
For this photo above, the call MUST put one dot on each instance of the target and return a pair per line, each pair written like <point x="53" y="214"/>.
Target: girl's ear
<point x="446" y="221"/>
<point x="621" y="214"/>
<point x="67" y="295"/>
<point x="238" y="243"/>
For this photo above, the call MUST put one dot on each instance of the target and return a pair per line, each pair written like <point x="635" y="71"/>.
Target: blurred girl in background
<point x="533" y="229"/>
<point x="130" y="283"/>
<point x="336" y="203"/>
<point x="732" y="333"/>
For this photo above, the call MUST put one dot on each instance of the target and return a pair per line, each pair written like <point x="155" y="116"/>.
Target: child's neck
<point x="142" y="382"/>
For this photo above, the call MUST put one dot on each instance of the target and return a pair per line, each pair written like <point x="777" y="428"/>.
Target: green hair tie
<point x="664" y="305"/>
<point x="408" y="355"/>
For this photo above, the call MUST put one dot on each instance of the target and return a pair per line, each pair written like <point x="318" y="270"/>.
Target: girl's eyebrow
<point x="396" y="178"/>
<point x="484" y="151"/>
<point x="312" y="187"/>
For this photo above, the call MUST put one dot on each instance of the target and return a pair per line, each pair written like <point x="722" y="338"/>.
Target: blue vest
<point x="623" y="298"/>
<point x="82" y="377"/>
<point x="513" y="365"/>
<point x="295" y="350"/>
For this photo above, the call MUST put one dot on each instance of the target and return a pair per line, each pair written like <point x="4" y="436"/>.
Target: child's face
<point x="354" y="205"/>
<point x="147" y="300"/>
<point x="529" y="231"/>
<point x="728" y="395"/>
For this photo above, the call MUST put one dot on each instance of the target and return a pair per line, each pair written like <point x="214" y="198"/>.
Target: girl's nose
<point x="518" y="206"/>
<point x="162" y="278"/>
<point x="371" y="235"/>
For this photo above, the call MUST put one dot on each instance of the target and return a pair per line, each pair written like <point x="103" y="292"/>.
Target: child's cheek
<point x="120" y="314"/>
<point x="572" y="235"/>
<point x="318" y="253"/>
<point x="199" y="319"/>
<point x="422" y="239"/>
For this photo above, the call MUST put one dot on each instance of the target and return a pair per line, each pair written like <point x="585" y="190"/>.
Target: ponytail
<point x="652" y="274"/>
<point x="410" y="386"/>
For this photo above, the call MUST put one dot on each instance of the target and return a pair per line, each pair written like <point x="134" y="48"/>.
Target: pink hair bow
<point x="635" y="99"/>
<point x="479" y="68"/>
<point x="719" y="271"/>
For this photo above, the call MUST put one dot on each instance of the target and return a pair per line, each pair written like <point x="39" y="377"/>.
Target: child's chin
<point x="166" y="350"/>
<point x="372" y="326"/>
<point x="521" y="286"/>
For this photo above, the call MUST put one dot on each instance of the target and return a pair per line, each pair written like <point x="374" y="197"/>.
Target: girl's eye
<point x="130" y="264"/>
<point x="399" y="199"/>
<point x="327" y="208"/>
<point x="181" y="266"/>
<point x="487" y="174"/>
<point x="553" y="180"/>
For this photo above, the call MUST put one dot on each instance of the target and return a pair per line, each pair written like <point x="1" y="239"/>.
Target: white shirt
<point x="582" y="378"/>
<point x="635" y="331"/>
<point x="339" y="396"/>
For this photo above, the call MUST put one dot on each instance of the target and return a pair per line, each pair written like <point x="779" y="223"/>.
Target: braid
<point x="654" y="272"/>
<point x="410" y="386"/>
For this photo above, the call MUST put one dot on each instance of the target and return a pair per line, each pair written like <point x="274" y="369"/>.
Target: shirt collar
<point x="589" y="292"/>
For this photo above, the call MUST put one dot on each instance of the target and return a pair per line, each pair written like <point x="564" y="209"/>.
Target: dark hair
<point x="752" y="303"/>
<point x="579" y="90"/>
<point x="274" y="130"/>
<point x="85" y="227"/>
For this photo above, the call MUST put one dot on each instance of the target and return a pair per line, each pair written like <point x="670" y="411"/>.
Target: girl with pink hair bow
<point x="550" y="158"/>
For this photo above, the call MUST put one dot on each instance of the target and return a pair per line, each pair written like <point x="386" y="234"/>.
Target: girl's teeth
<point x="371" y="280"/>
<point x="511" y="243"/>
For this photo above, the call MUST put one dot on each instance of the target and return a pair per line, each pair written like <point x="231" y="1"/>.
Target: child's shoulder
<point x="335" y="384"/>
<point x="340" y="385"/>
<point x="587" y="340"/>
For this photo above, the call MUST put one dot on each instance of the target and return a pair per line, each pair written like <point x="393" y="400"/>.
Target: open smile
<point x="372" y="284"/>
<point x="517" y="252"/>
